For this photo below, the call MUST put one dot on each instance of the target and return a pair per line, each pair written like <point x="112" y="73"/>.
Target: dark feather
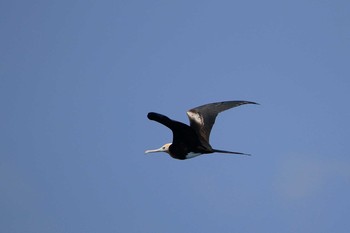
<point x="202" y="118"/>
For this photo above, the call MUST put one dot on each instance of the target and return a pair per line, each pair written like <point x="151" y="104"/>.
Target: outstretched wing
<point x="202" y="118"/>
<point x="182" y="133"/>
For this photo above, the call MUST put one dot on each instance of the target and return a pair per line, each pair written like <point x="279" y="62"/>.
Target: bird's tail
<point x="229" y="152"/>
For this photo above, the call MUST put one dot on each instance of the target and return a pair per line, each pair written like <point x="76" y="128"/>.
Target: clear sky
<point x="79" y="77"/>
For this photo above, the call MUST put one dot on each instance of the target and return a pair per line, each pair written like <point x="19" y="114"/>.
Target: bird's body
<point x="192" y="140"/>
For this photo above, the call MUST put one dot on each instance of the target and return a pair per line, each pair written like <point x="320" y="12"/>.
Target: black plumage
<point x="193" y="140"/>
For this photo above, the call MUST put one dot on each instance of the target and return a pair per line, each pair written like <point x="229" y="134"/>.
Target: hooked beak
<point x="162" y="149"/>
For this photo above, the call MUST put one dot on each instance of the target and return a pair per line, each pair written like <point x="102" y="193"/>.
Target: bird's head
<point x="164" y="148"/>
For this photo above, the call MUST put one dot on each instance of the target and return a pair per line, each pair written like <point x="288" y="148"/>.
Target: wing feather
<point x="202" y="118"/>
<point x="182" y="133"/>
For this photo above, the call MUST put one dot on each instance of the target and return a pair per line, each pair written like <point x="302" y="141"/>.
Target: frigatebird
<point x="193" y="140"/>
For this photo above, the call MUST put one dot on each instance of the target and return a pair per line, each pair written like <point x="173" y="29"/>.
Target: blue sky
<point x="78" y="78"/>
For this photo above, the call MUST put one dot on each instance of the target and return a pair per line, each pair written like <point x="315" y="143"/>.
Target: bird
<point x="192" y="140"/>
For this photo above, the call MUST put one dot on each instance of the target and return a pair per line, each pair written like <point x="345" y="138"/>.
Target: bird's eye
<point x="163" y="147"/>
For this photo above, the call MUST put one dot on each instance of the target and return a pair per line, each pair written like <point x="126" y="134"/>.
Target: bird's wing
<point x="182" y="133"/>
<point x="202" y="118"/>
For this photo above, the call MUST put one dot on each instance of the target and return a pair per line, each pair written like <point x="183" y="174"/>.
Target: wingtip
<point x="251" y="102"/>
<point x="149" y="115"/>
<point x="152" y="115"/>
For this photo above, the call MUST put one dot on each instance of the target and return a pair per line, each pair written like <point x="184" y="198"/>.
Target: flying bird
<point x="192" y="140"/>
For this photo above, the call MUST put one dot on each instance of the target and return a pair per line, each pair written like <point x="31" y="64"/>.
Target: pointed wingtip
<point x="251" y="102"/>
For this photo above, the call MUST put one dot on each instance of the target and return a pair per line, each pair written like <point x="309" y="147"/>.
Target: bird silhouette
<point x="193" y="140"/>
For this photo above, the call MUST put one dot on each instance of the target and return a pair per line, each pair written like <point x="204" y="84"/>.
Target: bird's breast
<point x="191" y="155"/>
<point x="183" y="151"/>
<point x="178" y="151"/>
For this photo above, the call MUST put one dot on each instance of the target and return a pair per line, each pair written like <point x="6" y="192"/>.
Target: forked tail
<point x="229" y="152"/>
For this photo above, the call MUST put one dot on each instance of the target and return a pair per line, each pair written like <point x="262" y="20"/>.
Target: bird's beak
<point x="154" y="151"/>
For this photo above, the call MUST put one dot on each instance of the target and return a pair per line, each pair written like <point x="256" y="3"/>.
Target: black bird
<point x="191" y="141"/>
